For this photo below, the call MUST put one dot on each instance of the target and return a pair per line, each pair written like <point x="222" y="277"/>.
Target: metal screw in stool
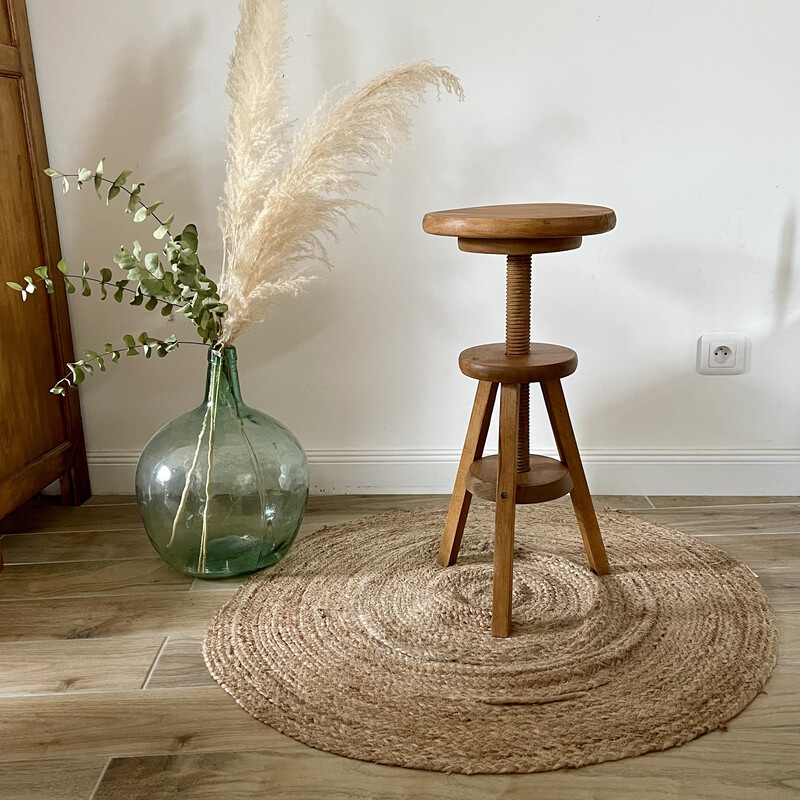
<point x="514" y="475"/>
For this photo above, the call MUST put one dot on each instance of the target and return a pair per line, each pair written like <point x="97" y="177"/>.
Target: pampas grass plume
<point x="283" y="199"/>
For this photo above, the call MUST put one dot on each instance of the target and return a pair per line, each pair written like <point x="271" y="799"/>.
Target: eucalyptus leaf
<point x="129" y="340"/>
<point x="106" y="275"/>
<point x="126" y="259"/>
<point x="151" y="304"/>
<point x="68" y="286"/>
<point x="188" y="237"/>
<point x="122" y="178"/>
<point x="153" y="265"/>
<point x="53" y="173"/>
<point x="62" y="266"/>
<point x="98" y="176"/>
<point x="101" y="364"/>
<point x="41" y="272"/>
<point x="113" y="191"/>
<point x="86" y="289"/>
<point x="133" y="200"/>
<point x="163" y="230"/>
<point x="84" y="174"/>
<point x="77" y="373"/>
<point x="15" y="285"/>
<point x="57" y="389"/>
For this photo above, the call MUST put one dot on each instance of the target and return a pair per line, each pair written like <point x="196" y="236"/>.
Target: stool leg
<point x="581" y="499"/>
<point x="505" y="510"/>
<point x="473" y="450"/>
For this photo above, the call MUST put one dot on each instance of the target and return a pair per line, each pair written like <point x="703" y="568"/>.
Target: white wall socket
<point x="723" y="354"/>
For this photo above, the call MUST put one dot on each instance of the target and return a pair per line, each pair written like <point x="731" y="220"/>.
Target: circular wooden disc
<point x="545" y="362"/>
<point x="522" y="221"/>
<point x="547" y="479"/>
<point x="519" y="246"/>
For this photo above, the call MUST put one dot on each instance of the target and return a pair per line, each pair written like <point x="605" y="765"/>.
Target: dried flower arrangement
<point x="283" y="196"/>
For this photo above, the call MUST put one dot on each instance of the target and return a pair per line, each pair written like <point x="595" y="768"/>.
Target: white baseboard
<point x="692" y="472"/>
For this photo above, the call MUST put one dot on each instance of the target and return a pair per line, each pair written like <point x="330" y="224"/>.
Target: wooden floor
<point x="103" y="693"/>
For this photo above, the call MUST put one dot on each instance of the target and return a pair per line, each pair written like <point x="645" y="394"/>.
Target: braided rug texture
<point x="360" y="644"/>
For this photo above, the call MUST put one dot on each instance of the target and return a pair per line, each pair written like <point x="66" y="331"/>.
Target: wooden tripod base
<point x="497" y="478"/>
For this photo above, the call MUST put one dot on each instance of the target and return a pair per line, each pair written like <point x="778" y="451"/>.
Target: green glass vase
<point x="222" y="489"/>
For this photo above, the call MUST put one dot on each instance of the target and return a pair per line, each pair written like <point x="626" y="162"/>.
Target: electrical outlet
<point x="723" y="354"/>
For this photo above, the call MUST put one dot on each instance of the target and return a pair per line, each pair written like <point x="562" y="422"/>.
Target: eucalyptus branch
<point x="173" y="277"/>
<point x="122" y="187"/>
<point x="79" y="369"/>
<point x="137" y="292"/>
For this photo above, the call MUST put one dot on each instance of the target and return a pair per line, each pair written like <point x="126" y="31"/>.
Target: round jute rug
<point x="361" y="645"/>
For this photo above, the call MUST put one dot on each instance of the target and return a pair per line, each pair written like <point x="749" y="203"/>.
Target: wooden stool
<point x="514" y="475"/>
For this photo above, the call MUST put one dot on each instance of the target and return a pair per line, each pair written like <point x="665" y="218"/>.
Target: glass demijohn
<point x="222" y="489"/>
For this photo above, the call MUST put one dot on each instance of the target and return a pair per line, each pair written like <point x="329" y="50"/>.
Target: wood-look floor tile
<point x="135" y="576"/>
<point x="67" y="518"/>
<point x="778" y="705"/>
<point x="70" y="779"/>
<point x="677" y="501"/>
<point x="104" y="616"/>
<point x="745" y="764"/>
<point x="77" y="665"/>
<point x="368" y="504"/>
<point x="127" y="724"/>
<point x="760" y="550"/>
<point x="42" y="548"/>
<point x="727" y="520"/>
<point x="223" y="587"/>
<point x="614" y="501"/>
<point x="180" y="665"/>
<point x="789" y="629"/>
<point x="782" y="585"/>
<point x="111" y="500"/>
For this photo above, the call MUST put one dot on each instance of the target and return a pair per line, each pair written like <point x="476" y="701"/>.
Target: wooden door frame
<point x="67" y="461"/>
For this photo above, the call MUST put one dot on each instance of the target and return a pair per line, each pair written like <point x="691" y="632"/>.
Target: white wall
<point x="683" y="116"/>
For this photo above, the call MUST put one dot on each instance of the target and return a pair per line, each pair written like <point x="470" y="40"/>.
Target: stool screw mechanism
<point x="518" y="341"/>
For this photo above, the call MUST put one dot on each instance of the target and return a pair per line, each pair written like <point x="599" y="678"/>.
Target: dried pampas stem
<point x="274" y="226"/>
<point x="258" y="128"/>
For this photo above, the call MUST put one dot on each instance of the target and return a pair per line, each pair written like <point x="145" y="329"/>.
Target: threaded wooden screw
<point x="518" y="341"/>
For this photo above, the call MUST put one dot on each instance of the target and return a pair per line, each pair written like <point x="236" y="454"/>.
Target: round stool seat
<point x="521" y="221"/>
<point x="545" y="362"/>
